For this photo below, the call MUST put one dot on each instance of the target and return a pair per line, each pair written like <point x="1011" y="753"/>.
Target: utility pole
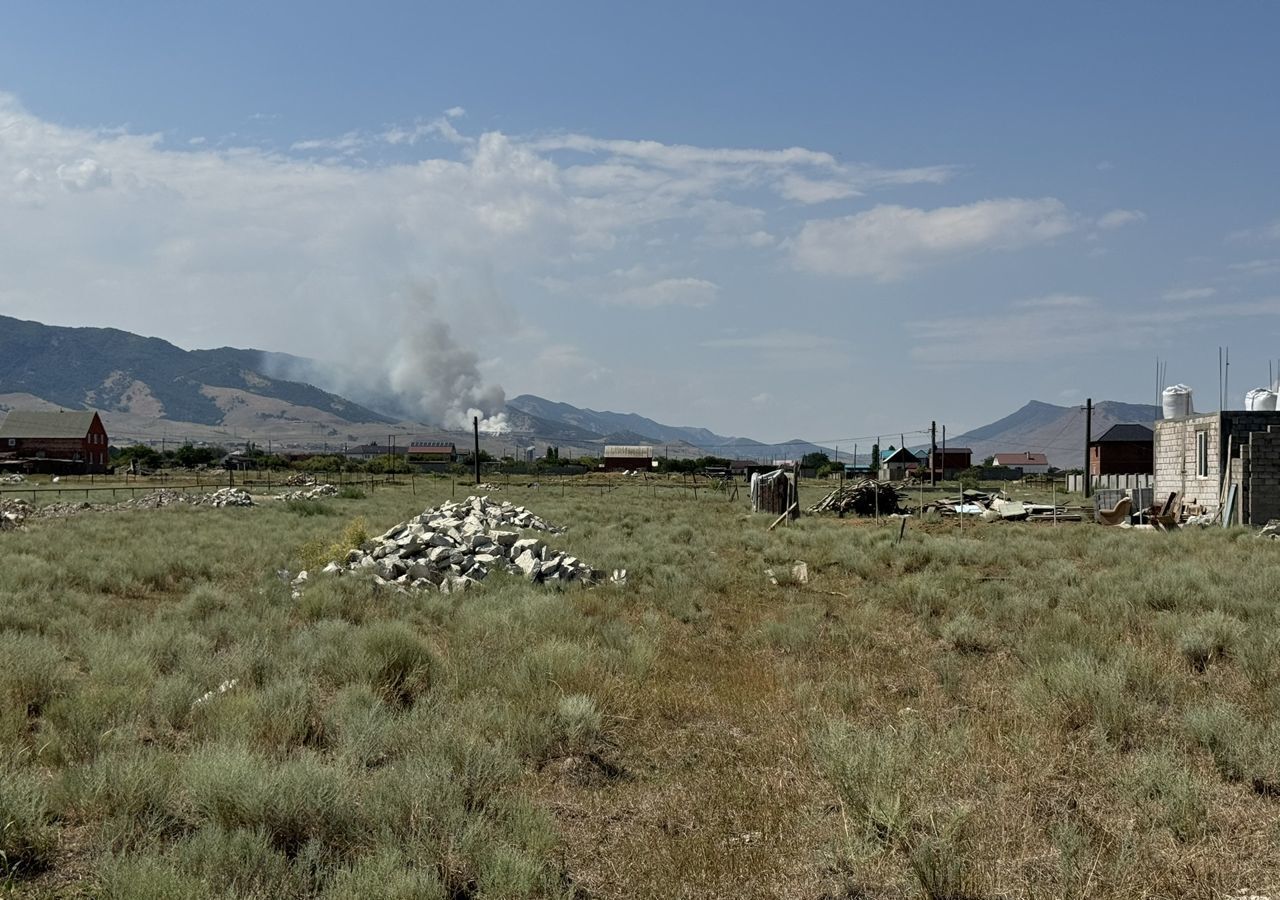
<point x="933" y="452"/>
<point x="1088" y="439"/>
<point x="475" y="424"/>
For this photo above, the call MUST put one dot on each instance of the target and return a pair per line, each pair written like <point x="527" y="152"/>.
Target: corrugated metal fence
<point x="1111" y="482"/>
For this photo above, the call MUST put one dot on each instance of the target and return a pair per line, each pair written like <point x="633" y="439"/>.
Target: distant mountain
<point x="1056" y="431"/>
<point x="674" y="440"/>
<point x="148" y="378"/>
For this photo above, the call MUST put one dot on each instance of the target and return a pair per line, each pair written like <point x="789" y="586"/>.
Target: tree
<point x="875" y="458"/>
<point x="815" y="460"/>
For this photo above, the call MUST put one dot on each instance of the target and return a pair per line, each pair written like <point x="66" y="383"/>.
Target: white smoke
<point x="437" y="378"/>
<point x="422" y="374"/>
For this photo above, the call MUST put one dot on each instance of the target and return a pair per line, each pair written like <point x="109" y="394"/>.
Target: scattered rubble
<point x="999" y="506"/>
<point x="1271" y="531"/>
<point x="15" y="478"/>
<point x="320" y="490"/>
<point x="864" y="498"/>
<point x="226" y="496"/>
<point x="13" y="513"/>
<point x="456" y="545"/>
<point x="300" y="479"/>
<point x="799" y="574"/>
<point x="221" y="689"/>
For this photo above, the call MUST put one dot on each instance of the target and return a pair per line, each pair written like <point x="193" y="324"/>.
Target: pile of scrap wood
<point x="865" y="498"/>
<point x="999" y="507"/>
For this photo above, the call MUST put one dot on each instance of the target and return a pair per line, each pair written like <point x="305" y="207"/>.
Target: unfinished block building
<point x="1203" y="456"/>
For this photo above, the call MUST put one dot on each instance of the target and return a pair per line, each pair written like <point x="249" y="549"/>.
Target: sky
<point x="821" y="220"/>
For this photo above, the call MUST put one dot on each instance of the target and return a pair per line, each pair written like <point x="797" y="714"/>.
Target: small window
<point x="13" y="442"/>
<point x="1202" y="454"/>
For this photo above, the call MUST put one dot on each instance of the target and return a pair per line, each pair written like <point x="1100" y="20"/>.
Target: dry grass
<point x="1004" y="711"/>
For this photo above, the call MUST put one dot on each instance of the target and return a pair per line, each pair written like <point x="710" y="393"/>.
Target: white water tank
<point x="1260" y="400"/>
<point x="1176" y="401"/>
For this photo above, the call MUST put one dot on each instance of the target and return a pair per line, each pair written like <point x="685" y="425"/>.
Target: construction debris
<point x="315" y="493"/>
<point x="864" y="498"/>
<point x="226" y="496"/>
<point x="13" y="513"/>
<point x="1000" y="507"/>
<point x="1271" y="531"/>
<point x="15" y="478"/>
<point x="300" y="479"/>
<point x="456" y="545"/>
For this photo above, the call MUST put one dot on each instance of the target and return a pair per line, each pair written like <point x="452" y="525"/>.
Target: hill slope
<point x="1057" y="431"/>
<point x="117" y="371"/>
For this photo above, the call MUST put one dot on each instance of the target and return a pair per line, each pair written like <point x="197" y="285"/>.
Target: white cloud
<point x="786" y="350"/>
<point x="1118" y="218"/>
<point x="762" y="399"/>
<point x="455" y="112"/>
<point x="84" y="175"/>
<point x="1256" y="267"/>
<point x="668" y="292"/>
<point x="1195" y="293"/>
<point x="1260" y="235"/>
<point x="887" y="241"/>
<point x="808" y="190"/>
<point x="1037" y="330"/>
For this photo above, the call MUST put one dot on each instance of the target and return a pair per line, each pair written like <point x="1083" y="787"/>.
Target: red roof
<point x="1021" y="459"/>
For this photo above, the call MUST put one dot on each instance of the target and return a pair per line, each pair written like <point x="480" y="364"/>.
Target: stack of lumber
<point x="864" y="498"/>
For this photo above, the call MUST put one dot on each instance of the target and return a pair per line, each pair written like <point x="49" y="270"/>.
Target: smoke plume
<point x="423" y="374"/>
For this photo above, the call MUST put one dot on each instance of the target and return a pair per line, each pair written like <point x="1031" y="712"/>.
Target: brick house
<point x="947" y="463"/>
<point x="1195" y="454"/>
<point x="1122" y="450"/>
<point x="73" y="441"/>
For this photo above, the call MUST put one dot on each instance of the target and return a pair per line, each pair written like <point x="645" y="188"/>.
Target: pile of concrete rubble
<point x="13" y="513"/>
<point x="315" y="493"/>
<point x="226" y="496"/>
<point x="458" y="544"/>
<point x="300" y="479"/>
<point x="13" y="478"/>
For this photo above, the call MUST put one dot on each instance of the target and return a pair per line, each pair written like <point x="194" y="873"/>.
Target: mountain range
<point x="148" y="387"/>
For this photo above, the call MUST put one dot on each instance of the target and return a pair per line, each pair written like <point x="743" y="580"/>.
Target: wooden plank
<point x="778" y="521"/>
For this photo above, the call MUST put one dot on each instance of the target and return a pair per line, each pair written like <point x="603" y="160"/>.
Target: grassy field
<point x="1007" y="710"/>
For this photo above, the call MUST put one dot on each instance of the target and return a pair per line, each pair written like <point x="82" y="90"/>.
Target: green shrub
<point x="308" y="508"/>
<point x="33" y="672"/>
<point x="27" y="839"/>
<point x="966" y="634"/>
<point x="579" y="722"/>
<point x="400" y="664"/>
<point x="385" y="874"/>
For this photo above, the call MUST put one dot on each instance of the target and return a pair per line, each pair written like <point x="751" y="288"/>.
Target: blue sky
<point x="826" y="220"/>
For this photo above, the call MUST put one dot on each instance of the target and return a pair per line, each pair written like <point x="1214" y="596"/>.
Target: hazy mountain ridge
<point x="114" y="370"/>
<point x="1057" y="431"/>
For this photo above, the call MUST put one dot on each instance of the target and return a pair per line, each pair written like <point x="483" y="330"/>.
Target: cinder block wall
<point x="1264" y="475"/>
<point x="1175" y="455"/>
